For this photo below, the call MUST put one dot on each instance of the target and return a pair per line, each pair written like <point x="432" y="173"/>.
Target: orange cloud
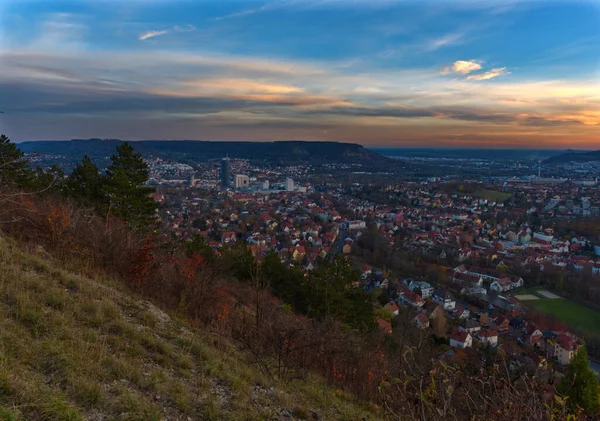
<point x="240" y="85"/>
<point x="463" y="67"/>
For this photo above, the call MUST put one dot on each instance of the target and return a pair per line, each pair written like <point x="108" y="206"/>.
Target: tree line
<point x="119" y="191"/>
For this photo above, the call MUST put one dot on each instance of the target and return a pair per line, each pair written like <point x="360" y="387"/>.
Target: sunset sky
<point x="450" y="73"/>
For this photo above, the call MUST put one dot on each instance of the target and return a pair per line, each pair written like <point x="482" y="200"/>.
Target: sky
<point x="426" y="73"/>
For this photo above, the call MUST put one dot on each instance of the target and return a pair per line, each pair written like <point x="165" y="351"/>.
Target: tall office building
<point x="225" y="173"/>
<point x="241" y="181"/>
<point x="289" y="184"/>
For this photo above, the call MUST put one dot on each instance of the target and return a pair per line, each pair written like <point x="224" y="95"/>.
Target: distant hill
<point x="279" y="151"/>
<point x="571" y="156"/>
<point x="469" y="153"/>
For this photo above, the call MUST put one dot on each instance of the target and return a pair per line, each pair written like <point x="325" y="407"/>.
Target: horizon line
<point x="371" y="147"/>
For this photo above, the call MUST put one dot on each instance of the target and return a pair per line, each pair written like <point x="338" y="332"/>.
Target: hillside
<point x="74" y="348"/>
<point x="278" y="152"/>
<point x="574" y="157"/>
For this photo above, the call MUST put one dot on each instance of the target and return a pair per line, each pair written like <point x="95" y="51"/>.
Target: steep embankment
<point x="73" y="348"/>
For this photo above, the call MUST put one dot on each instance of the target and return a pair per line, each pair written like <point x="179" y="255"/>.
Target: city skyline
<point x="462" y="73"/>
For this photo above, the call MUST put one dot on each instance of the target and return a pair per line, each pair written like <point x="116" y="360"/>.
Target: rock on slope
<point x="73" y="348"/>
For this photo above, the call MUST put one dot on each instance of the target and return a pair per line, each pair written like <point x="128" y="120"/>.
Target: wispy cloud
<point x="272" y="5"/>
<point x="152" y="34"/>
<point x="499" y="71"/>
<point x="446" y="40"/>
<point x="184" y="28"/>
<point x="176" y="28"/>
<point x="64" y="31"/>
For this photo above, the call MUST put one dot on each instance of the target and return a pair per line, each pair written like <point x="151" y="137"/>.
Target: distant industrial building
<point x="241" y="181"/>
<point x="225" y="173"/>
<point x="289" y="184"/>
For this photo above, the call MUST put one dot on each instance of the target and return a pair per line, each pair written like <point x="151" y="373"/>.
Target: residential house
<point x="356" y="225"/>
<point x="502" y="323"/>
<point x="384" y="325"/>
<point x="425" y="287"/>
<point x="533" y="335"/>
<point x="393" y="308"/>
<point x="461" y="313"/>
<point x="298" y="253"/>
<point x="501" y="285"/>
<point x="432" y="309"/>
<point x="467" y="279"/>
<point x="421" y="321"/>
<point x="471" y="326"/>
<point x="229" y="237"/>
<point x="411" y="298"/>
<point x="444" y="299"/>
<point x="347" y="248"/>
<point x="565" y="349"/>
<point x="460" y="339"/>
<point x="488" y="337"/>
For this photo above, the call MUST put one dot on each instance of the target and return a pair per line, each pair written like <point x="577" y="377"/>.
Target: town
<point x="489" y="251"/>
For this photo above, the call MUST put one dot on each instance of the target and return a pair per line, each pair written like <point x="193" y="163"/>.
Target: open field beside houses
<point x="574" y="315"/>
<point x="493" y="195"/>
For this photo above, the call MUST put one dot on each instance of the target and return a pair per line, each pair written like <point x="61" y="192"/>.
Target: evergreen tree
<point x="13" y="164"/>
<point x="329" y="293"/>
<point x="85" y="184"/>
<point x="580" y="383"/>
<point x="285" y="282"/>
<point x="127" y="195"/>
<point x="238" y="261"/>
<point x="198" y="245"/>
<point x="48" y="180"/>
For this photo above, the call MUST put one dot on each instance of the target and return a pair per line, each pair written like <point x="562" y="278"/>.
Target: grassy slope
<point x="72" y="348"/>
<point x="571" y="313"/>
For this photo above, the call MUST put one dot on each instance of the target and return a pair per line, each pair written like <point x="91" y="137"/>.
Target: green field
<point x="493" y="195"/>
<point x="574" y="315"/>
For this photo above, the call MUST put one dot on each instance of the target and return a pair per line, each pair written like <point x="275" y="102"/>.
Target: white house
<point x="425" y="287"/>
<point x="502" y="285"/>
<point x="488" y="336"/>
<point x="565" y="349"/>
<point x="444" y="299"/>
<point x="356" y="225"/>
<point x="461" y="339"/>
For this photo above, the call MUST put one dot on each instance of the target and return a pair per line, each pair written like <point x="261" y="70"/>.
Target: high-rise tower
<point x="225" y="173"/>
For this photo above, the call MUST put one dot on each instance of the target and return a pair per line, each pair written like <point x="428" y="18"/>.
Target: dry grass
<point x="73" y="348"/>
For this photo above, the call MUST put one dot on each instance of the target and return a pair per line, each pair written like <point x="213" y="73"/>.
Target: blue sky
<point x="473" y="73"/>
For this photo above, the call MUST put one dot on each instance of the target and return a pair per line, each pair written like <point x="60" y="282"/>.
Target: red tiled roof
<point x="487" y="333"/>
<point x="459" y="335"/>
<point x="384" y="325"/>
<point x="423" y="319"/>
